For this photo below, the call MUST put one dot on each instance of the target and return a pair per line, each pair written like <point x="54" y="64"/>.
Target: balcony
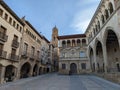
<point x="32" y="57"/>
<point x="3" y="37"/>
<point x="38" y="58"/>
<point x="15" y="44"/>
<point x="3" y="54"/>
<point x="73" y="58"/>
<point x="43" y="62"/>
<point x="14" y="57"/>
<point x="24" y="55"/>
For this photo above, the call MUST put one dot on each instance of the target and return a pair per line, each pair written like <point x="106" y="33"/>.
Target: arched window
<point x="73" y="42"/>
<point x="78" y="42"/>
<point x="106" y="14"/>
<point x="68" y="43"/>
<point x="102" y="19"/>
<point x="111" y="8"/>
<point x="98" y="25"/>
<point x="63" y="43"/>
<point x="96" y="29"/>
<point x="83" y="42"/>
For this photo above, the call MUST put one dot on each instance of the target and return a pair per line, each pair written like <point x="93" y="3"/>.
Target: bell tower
<point x="54" y="36"/>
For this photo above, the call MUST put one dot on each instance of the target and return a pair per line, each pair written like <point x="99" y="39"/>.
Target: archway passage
<point x="9" y="73"/>
<point x="40" y="70"/>
<point x="35" y="70"/>
<point x="113" y="51"/>
<point x="92" y="60"/>
<point x="99" y="57"/>
<point x="25" y="70"/>
<point x="73" y="69"/>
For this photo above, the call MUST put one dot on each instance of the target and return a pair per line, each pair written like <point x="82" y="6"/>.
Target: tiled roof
<point x="71" y="36"/>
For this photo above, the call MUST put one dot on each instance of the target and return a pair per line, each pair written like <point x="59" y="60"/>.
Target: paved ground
<point x="61" y="82"/>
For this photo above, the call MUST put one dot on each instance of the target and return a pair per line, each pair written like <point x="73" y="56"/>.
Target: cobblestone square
<point x="61" y="82"/>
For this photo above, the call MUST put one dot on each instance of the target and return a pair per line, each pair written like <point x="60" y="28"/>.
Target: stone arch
<point x="10" y="73"/>
<point x="99" y="56"/>
<point x="35" y="70"/>
<point x="64" y="43"/>
<point x="78" y="42"/>
<point x="106" y="14"/>
<point x="110" y="6"/>
<point x="91" y="56"/>
<point x="84" y="42"/>
<point x="106" y="33"/>
<point x="73" y="68"/>
<point x="68" y="43"/>
<point x="73" y="42"/>
<point x="112" y="45"/>
<point x="102" y="19"/>
<point x="25" y="70"/>
<point x="99" y="25"/>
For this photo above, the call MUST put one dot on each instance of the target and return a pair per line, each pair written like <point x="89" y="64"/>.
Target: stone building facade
<point x="104" y="39"/>
<point x="73" y="54"/>
<point x="23" y="51"/>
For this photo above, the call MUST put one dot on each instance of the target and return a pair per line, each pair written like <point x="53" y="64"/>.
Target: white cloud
<point x="82" y="18"/>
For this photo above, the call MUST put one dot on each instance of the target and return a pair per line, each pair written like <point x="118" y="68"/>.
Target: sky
<point x="69" y="16"/>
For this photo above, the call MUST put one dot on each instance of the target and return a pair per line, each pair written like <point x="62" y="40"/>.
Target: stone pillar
<point x="105" y="58"/>
<point x="2" y="75"/>
<point x="17" y="73"/>
<point x="95" y="60"/>
<point x="31" y="71"/>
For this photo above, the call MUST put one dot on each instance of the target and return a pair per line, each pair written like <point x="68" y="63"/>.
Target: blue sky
<point x="70" y="16"/>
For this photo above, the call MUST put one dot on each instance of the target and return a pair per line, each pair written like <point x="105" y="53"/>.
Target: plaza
<point x="61" y="82"/>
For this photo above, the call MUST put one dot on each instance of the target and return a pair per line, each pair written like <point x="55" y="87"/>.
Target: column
<point x="17" y="73"/>
<point x="95" y="61"/>
<point x="105" y="58"/>
<point x="2" y="74"/>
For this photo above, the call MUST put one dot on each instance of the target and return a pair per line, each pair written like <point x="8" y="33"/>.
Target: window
<point x="10" y="20"/>
<point x="63" y="43"/>
<point x="1" y="12"/>
<point x="103" y="20"/>
<point x="63" y="54"/>
<point x="17" y="26"/>
<point x="1" y="47"/>
<point x="111" y="8"/>
<point x="15" y="38"/>
<point x="63" y="66"/>
<point x="98" y="25"/>
<point x="106" y="14"/>
<point x="25" y="48"/>
<point x="2" y="32"/>
<point x="14" y="23"/>
<point x="83" y="65"/>
<point x="20" y="29"/>
<point x="68" y="43"/>
<point x="73" y="43"/>
<point x="82" y="54"/>
<point x="32" y="51"/>
<point x="38" y="54"/>
<point x="6" y="16"/>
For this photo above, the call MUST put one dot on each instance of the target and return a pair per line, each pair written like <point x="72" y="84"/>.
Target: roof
<point x="33" y="28"/>
<point x="11" y="11"/>
<point x="43" y="37"/>
<point x="46" y="39"/>
<point x="71" y="36"/>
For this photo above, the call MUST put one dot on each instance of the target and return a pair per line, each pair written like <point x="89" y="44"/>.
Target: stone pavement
<point x="61" y="82"/>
